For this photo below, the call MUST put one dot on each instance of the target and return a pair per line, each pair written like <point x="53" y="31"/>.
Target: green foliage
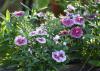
<point x="42" y="3"/>
<point x="95" y="63"/>
<point x="7" y="15"/>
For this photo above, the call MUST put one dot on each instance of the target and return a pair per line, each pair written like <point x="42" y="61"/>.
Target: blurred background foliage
<point x="55" y="6"/>
<point x="13" y="5"/>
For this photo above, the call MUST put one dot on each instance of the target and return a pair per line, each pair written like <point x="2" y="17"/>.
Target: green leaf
<point x="42" y="3"/>
<point x="7" y="15"/>
<point x="25" y="6"/>
<point x="90" y="36"/>
<point x="95" y="63"/>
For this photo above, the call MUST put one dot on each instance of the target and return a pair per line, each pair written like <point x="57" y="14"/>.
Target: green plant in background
<point x="8" y="30"/>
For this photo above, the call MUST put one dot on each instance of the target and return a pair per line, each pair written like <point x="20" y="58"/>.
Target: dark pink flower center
<point x="41" y="39"/>
<point x="56" y="56"/>
<point x="19" y="14"/>
<point x="20" y="41"/>
<point x="61" y="55"/>
<point x="79" y="19"/>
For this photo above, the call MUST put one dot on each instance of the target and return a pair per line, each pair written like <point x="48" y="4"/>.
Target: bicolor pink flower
<point x="33" y="33"/>
<point x="70" y="7"/>
<point x="20" y="40"/>
<point x="67" y="22"/>
<point x="79" y="20"/>
<point x="19" y="13"/>
<point x="41" y="40"/>
<point x="59" y="56"/>
<point x="76" y="32"/>
<point x="41" y="31"/>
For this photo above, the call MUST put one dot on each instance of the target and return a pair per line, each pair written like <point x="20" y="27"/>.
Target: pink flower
<point x="76" y="32"/>
<point x="70" y="7"/>
<point x="67" y="22"/>
<point x="59" y="56"/>
<point x="19" y="13"/>
<point x="79" y="20"/>
<point x="33" y="33"/>
<point x="41" y="40"/>
<point x="20" y="40"/>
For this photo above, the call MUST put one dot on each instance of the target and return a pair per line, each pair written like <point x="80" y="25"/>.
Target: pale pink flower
<point x="20" y="40"/>
<point x="76" y="32"/>
<point x="41" y="40"/>
<point x="67" y="22"/>
<point x="70" y="7"/>
<point x="19" y="13"/>
<point x="59" y="56"/>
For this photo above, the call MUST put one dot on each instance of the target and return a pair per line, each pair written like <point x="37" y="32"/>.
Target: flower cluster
<point x="58" y="56"/>
<point x="57" y="37"/>
<point x="70" y="21"/>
